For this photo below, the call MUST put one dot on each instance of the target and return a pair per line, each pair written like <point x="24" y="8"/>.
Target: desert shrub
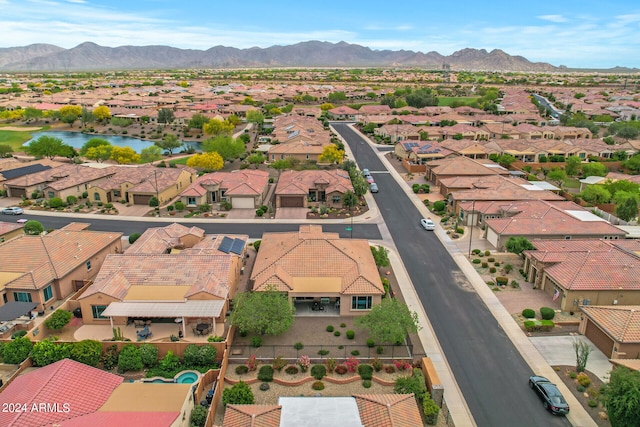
<point x="508" y="268"/>
<point x="496" y="264"/>
<point x="476" y="261"/>
<point x="278" y="363"/>
<point x="492" y="270"/>
<point x="292" y="370"/>
<point x="264" y="386"/>
<point x="198" y="416"/>
<point x="109" y="358"/>
<point x="538" y="325"/>
<point x="592" y="403"/>
<point x="491" y="259"/>
<point x="340" y="370"/>
<point x="239" y="394"/>
<point x="439" y="206"/>
<point x="431" y="411"/>
<point x="87" y="352"/>
<point x="252" y="363"/>
<point x="331" y="364"/>
<point x="133" y="237"/>
<point x="379" y="349"/>
<point x="573" y="375"/>
<point x="242" y="369"/>
<point x="330" y="328"/>
<point x="476" y="251"/>
<point x="298" y="346"/>
<point x="317" y="385"/>
<point x="179" y="206"/>
<point x="547" y="313"/>
<point x="215" y="338"/>
<point x="58" y="320"/>
<point x="580" y="388"/>
<point x="56" y="202"/>
<point x="459" y="230"/>
<point x="318" y="371"/>
<point x="323" y="352"/>
<point x="71" y="200"/>
<point x="370" y="343"/>
<point x="256" y="341"/>
<point x="170" y="362"/>
<point x="129" y="359"/>
<point x="583" y="380"/>
<point x="414" y="384"/>
<point x="487" y="253"/>
<point x="515" y="284"/>
<point x="377" y="364"/>
<point x="352" y="364"/>
<point x="337" y="333"/>
<point x="149" y="355"/>
<point x="46" y="352"/>
<point x="502" y="281"/>
<point x="485" y="265"/>
<point x="366" y="383"/>
<point x="265" y="374"/>
<point x="528" y="313"/>
<point x="389" y="369"/>
<point x="355" y="352"/>
<point x="350" y="334"/>
<point x="365" y="371"/>
<point x="343" y="325"/>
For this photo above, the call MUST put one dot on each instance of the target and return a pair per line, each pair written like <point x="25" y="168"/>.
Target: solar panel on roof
<point x="237" y="246"/>
<point x="225" y="245"/>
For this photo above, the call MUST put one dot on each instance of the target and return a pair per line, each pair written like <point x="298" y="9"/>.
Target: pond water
<point x="78" y="139"/>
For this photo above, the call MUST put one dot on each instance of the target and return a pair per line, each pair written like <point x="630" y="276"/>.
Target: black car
<point x="551" y="397"/>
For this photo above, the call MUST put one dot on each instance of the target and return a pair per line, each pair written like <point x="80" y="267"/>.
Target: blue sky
<point x="584" y="33"/>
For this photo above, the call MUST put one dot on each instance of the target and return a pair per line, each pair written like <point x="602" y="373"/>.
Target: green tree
<point x="102" y="113"/>
<point x="198" y="416"/>
<point x="622" y="398"/>
<point x="256" y="159"/>
<point x="216" y="127"/>
<point x="46" y="352"/>
<point x="17" y="350"/>
<point x="225" y="145"/>
<point x="206" y="161"/>
<point x="99" y="153"/>
<point x="170" y="142"/>
<point x="633" y="164"/>
<point x="197" y="121"/>
<point x="129" y="359"/>
<point x="93" y="142"/>
<point x="412" y="384"/>
<point x="594" y="169"/>
<point x="517" y="245"/>
<point x="33" y="228"/>
<point x="255" y="116"/>
<point x="572" y="165"/>
<point x="331" y="154"/>
<point x="421" y="98"/>
<point x="239" y="394"/>
<point x="626" y="205"/>
<point x="621" y="185"/>
<point x="150" y="154"/>
<point x="47" y="146"/>
<point x="582" y="350"/>
<point x="149" y="355"/>
<point x="337" y="97"/>
<point x="380" y="255"/>
<point x="595" y="194"/>
<point x="166" y="115"/>
<point x="390" y="321"/>
<point x="124" y="155"/>
<point x="266" y="312"/>
<point x="505" y="160"/>
<point x="58" y="320"/>
<point x="31" y="113"/>
<point x="5" y="150"/>
<point x="349" y="199"/>
<point x="557" y="176"/>
<point x="88" y="352"/>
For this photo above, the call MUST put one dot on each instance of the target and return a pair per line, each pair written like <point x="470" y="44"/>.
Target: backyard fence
<point x="321" y="352"/>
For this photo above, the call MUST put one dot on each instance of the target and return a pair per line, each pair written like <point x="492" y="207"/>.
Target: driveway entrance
<point x="291" y="213"/>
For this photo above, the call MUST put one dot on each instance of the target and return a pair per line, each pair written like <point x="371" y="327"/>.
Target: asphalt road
<point x="254" y="230"/>
<point x="490" y="372"/>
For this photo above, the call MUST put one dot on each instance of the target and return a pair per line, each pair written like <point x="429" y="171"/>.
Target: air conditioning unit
<point x="615" y="302"/>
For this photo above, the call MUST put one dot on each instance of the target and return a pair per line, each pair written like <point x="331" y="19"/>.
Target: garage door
<point x="291" y="202"/>
<point x="141" y="199"/>
<point x="492" y="237"/>
<point x="17" y="192"/>
<point x="599" y="338"/>
<point x="242" y="203"/>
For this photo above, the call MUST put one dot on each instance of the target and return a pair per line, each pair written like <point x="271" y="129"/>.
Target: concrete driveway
<point x="291" y="213"/>
<point x="559" y="350"/>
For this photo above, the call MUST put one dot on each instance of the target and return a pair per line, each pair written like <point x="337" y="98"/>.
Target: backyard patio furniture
<point x="203" y="328"/>
<point x="316" y="306"/>
<point x="144" y="333"/>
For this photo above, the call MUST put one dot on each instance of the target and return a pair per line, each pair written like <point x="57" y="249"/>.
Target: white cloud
<point x="553" y="18"/>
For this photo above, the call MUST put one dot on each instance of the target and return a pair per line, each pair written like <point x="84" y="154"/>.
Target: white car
<point x="427" y="224"/>
<point x="373" y="187"/>
<point x="14" y="210"/>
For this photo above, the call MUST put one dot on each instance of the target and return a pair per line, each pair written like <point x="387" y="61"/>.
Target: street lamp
<point x="473" y="207"/>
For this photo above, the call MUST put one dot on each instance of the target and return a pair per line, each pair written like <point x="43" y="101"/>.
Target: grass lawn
<point x="14" y="139"/>
<point x="444" y="101"/>
<point x="180" y="161"/>
<point x="572" y="183"/>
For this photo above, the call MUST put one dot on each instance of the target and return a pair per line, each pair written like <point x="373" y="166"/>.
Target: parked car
<point x="427" y="224"/>
<point x="366" y="172"/>
<point x="551" y="397"/>
<point x="373" y="187"/>
<point x="369" y="179"/>
<point x="13" y="210"/>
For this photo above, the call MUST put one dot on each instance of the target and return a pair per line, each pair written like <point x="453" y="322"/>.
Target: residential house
<point x="300" y="137"/>
<point x="569" y="132"/>
<point x="529" y="131"/>
<point x="458" y="166"/>
<point x="540" y="219"/>
<point x="614" y="329"/>
<point x="246" y="188"/>
<point x="46" y="268"/>
<point x="420" y="152"/>
<point x="585" y="272"/>
<point x="61" y="181"/>
<point x="12" y="168"/>
<point x="162" y="277"/>
<point x="9" y="230"/>
<point x="400" y="132"/>
<point x="73" y="394"/>
<point x="344" y="113"/>
<point x="375" y="110"/>
<point x="312" y="265"/>
<point x="467" y="148"/>
<point x="300" y="188"/>
<point x="466" y="131"/>
<point x="138" y="184"/>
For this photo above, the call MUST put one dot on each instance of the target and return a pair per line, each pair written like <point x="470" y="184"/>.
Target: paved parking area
<point x="291" y="213"/>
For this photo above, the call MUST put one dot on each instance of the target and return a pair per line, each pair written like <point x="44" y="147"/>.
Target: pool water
<point x="187" y="378"/>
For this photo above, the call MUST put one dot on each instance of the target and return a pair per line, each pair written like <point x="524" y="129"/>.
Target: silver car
<point x="13" y="210"/>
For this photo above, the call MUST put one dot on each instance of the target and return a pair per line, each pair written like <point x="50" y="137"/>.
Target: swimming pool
<point x="184" y="377"/>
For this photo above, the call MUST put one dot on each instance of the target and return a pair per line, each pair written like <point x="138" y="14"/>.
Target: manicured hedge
<point x="538" y="325"/>
<point x="547" y="313"/>
<point x="528" y="313"/>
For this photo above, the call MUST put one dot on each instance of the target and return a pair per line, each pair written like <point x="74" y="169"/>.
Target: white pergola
<point x="179" y="310"/>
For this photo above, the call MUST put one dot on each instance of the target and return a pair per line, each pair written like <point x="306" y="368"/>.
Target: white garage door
<point x="492" y="237"/>
<point x="242" y="202"/>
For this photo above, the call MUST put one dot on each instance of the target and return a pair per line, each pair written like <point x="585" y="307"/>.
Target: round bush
<point x="343" y="325"/>
<point x="485" y="264"/>
<point x="330" y="328"/>
<point x="547" y="313"/>
<point x="355" y="353"/>
<point x="318" y="385"/>
<point x="256" y="341"/>
<point x="292" y="370"/>
<point x="264" y="386"/>
<point x="242" y="369"/>
<point x="528" y="313"/>
<point x="487" y="253"/>
<point x="584" y="380"/>
<point x="476" y="261"/>
<point x="337" y="333"/>
<point x="340" y="370"/>
<point x="370" y="343"/>
<point x="366" y="383"/>
<point x="491" y="259"/>
<point x="298" y="346"/>
<point x="592" y="403"/>
<point x="492" y="270"/>
<point x="379" y="349"/>
<point x="318" y="371"/>
<point x="265" y="374"/>
<point x="365" y="371"/>
<point x="350" y="334"/>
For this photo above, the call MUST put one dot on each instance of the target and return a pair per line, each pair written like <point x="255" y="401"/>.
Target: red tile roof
<point x="622" y="323"/>
<point x="123" y="419"/>
<point x="388" y="410"/>
<point x="252" y="416"/>
<point x="299" y="182"/>
<point x="83" y="388"/>
<point x="238" y="183"/>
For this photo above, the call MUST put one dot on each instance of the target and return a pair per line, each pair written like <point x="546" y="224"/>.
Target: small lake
<point x="78" y="139"/>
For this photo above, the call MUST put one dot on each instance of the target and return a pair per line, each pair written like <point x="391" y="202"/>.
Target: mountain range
<point x="92" y="57"/>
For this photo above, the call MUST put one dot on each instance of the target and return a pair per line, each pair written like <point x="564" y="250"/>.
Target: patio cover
<point x="209" y="308"/>
<point x="13" y="309"/>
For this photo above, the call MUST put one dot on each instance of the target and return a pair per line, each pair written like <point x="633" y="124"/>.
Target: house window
<point x="51" y="194"/>
<point x="567" y="237"/>
<point x="361" y="303"/>
<point x="97" y="310"/>
<point x="336" y="199"/>
<point x="281" y="156"/>
<point x="116" y="193"/>
<point x="47" y="293"/>
<point x="223" y="194"/>
<point x="307" y="157"/>
<point x="273" y="157"/>
<point x="96" y="197"/>
<point x="89" y="265"/>
<point x="191" y="200"/>
<point x="22" y="296"/>
<point x="312" y="195"/>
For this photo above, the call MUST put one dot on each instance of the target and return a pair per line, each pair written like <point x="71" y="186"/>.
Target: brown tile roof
<point x="45" y="258"/>
<point x="312" y="253"/>
<point x="388" y="410"/>
<point x="496" y="188"/>
<point x="461" y="165"/>
<point x="143" y="178"/>
<point x="239" y="182"/>
<point x="7" y="227"/>
<point x="621" y="322"/>
<point x="299" y="182"/>
<point x="62" y="177"/>
<point x="539" y="217"/>
<point x="210" y="274"/>
<point x="588" y="264"/>
<point x="252" y="416"/>
<point x="158" y="240"/>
